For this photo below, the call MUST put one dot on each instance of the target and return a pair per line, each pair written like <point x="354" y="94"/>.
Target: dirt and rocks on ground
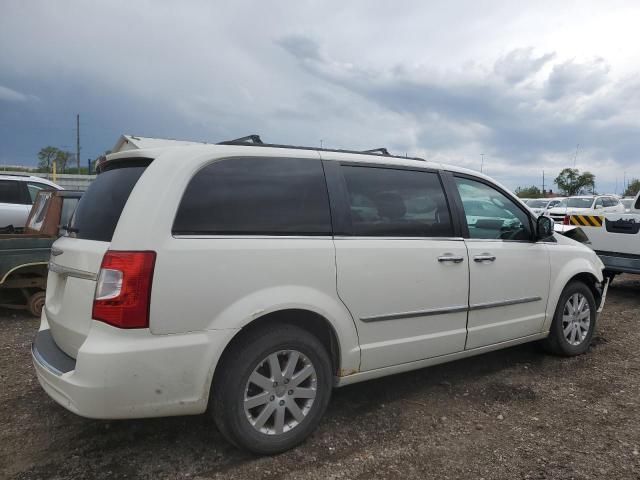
<point x="513" y="414"/>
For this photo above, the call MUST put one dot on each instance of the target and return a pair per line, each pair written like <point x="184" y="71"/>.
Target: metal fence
<point x="65" y="180"/>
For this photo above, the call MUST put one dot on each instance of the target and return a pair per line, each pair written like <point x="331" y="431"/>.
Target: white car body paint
<point x="206" y="289"/>
<point x="15" y="212"/>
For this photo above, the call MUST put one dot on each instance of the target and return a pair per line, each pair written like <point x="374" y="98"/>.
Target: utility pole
<point x="78" y="141"/>
<point x="482" y="162"/>
<point x="543" y="191"/>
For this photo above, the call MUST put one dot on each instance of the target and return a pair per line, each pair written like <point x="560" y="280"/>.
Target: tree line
<point x="63" y="160"/>
<point x="571" y="182"/>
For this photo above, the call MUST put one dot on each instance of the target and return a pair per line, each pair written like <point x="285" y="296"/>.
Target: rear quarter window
<point x="99" y="209"/>
<point x="256" y="196"/>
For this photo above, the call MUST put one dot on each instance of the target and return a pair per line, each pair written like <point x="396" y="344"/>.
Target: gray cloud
<point x="442" y="80"/>
<point x="521" y="64"/>
<point x="9" y="95"/>
<point x="517" y="125"/>
<point x="301" y="47"/>
<point x="572" y="79"/>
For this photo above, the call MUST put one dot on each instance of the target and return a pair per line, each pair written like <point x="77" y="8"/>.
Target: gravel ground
<point x="513" y="414"/>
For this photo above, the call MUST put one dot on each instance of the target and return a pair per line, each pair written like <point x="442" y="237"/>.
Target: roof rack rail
<point x="378" y="151"/>
<point x="15" y="174"/>
<point x="254" y="139"/>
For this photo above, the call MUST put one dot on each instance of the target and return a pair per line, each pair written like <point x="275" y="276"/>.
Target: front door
<point x="402" y="272"/>
<point x="509" y="272"/>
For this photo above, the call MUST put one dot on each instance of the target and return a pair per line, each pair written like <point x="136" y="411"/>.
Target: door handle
<point x="485" y="257"/>
<point x="450" y="258"/>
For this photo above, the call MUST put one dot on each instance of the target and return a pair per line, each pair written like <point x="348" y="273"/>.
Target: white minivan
<point x="249" y="280"/>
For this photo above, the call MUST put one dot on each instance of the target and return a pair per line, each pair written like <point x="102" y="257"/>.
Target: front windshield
<point x="577" y="202"/>
<point x="537" y="203"/>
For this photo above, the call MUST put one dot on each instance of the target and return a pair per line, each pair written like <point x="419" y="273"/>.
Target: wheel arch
<point x="311" y="321"/>
<point x="578" y="269"/>
<point x="25" y="268"/>
<point x="591" y="281"/>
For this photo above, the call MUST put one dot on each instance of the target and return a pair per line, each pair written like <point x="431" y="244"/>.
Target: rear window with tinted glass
<point x="100" y="207"/>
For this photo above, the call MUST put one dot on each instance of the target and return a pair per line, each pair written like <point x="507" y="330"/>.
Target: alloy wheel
<point x="280" y="392"/>
<point x="576" y="319"/>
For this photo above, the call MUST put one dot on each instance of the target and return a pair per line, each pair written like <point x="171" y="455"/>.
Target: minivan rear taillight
<point x="123" y="291"/>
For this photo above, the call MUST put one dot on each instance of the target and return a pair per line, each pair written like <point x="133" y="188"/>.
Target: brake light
<point x="566" y="220"/>
<point x="123" y="291"/>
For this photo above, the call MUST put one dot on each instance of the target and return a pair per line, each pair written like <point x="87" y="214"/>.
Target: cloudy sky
<point x="523" y="83"/>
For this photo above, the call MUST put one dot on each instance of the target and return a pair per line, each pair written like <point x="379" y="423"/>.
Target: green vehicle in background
<point x="24" y="256"/>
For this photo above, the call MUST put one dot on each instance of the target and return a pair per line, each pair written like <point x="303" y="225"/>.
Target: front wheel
<point x="272" y="389"/>
<point x="574" y="321"/>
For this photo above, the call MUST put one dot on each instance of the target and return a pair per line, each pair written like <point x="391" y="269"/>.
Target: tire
<point x="253" y="356"/>
<point x="568" y="335"/>
<point x="36" y="303"/>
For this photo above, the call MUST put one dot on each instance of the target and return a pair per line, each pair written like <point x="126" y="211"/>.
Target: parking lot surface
<point x="516" y="413"/>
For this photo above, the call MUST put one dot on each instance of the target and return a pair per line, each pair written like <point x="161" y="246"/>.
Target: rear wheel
<point x="272" y="389"/>
<point x="35" y="303"/>
<point x="574" y="321"/>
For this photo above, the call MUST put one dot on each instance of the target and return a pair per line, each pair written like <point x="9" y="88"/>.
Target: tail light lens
<point x="123" y="292"/>
<point x="566" y="220"/>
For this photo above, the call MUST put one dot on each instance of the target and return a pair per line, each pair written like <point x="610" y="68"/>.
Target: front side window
<point x="396" y="203"/>
<point x="256" y="196"/>
<point x="599" y="203"/>
<point x="490" y="214"/>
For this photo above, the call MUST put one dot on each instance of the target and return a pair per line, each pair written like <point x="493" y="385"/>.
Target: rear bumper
<point x="130" y="373"/>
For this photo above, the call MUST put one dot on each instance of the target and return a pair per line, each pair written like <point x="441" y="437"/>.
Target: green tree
<point x="46" y="156"/>
<point x="529" y="192"/>
<point x="62" y="158"/>
<point x="633" y="188"/>
<point x="571" y="182"/>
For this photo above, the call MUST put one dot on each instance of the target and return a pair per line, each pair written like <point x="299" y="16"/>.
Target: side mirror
<point x="544" y="227"/>
<point x="599" y="207"/>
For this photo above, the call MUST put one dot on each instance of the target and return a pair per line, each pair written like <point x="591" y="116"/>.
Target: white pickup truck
<point x="615" y="237"/>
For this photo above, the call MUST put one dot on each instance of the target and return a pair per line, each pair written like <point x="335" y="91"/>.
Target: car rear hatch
<point x="76" y="258"/>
